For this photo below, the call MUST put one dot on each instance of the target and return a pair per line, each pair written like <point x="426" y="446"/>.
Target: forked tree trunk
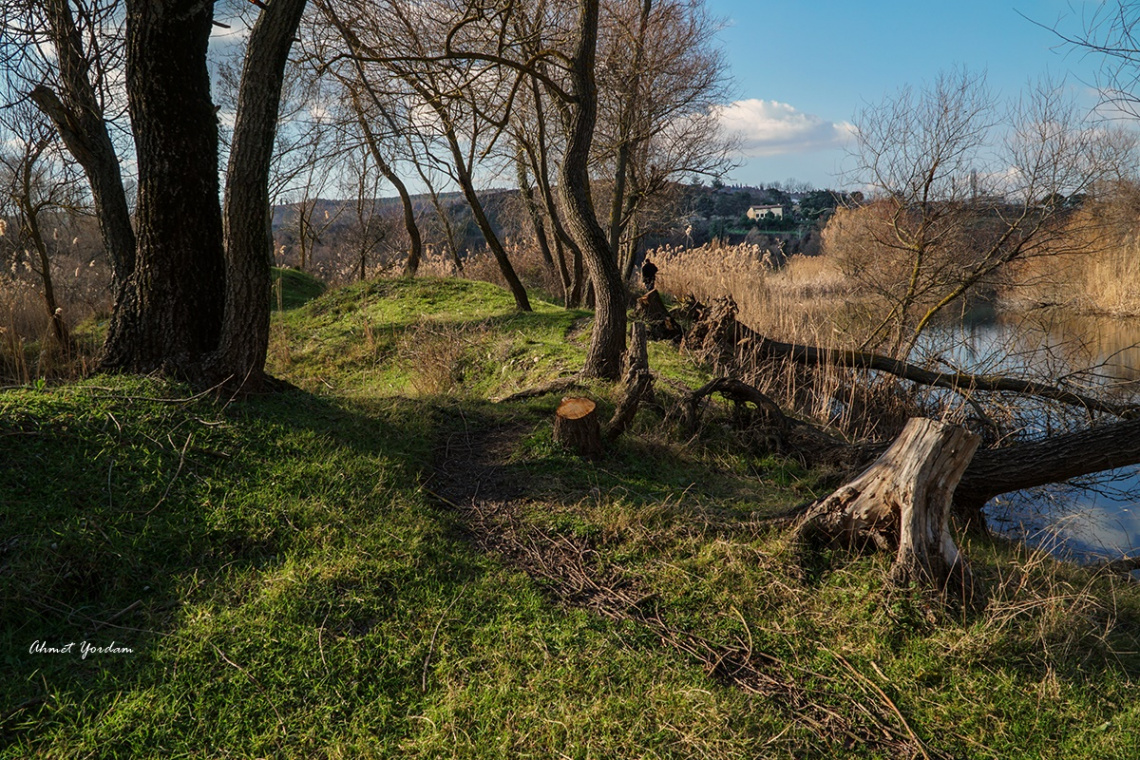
<point x="902" y="502"/>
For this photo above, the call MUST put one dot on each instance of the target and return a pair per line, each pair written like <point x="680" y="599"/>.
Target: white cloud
<point x="771" y="128"/>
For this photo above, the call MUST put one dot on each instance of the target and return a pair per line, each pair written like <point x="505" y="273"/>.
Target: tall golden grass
<point x="802" y="301"/>
<point x="1100" y="273"/>
<point x="28" y="349"/>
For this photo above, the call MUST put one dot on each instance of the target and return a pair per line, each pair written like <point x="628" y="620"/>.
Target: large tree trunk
<point x="170" y="315"/>
<point x="248" y="216"/>
<point x="80" y="121"/>
<point x="1051" y="460"/>
<point x="607" y="341"/>
<point x="902" y="501"/>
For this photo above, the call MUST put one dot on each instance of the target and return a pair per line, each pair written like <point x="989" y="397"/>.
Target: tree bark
<point x="1051" y="460"/>
<point x="576" y="427"/>
<point x="248" y="215"/>
<point x="170" y="313"/>
<point x="607" y="341"/>
<point x="902" y="501"/>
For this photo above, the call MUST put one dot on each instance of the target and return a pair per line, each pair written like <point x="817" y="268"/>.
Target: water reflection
<point x="1091" y="521"/>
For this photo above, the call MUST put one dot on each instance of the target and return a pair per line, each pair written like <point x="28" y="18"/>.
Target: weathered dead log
<point x="902" y="501"/>
<point x="740" y="393"/>
<point x="640" y="386"/>
<point x="561" y="385"/>
<point x="724" y="341"/>
<point x="958" y="381"/>
<point x="651" y="310"/>
<point x="576" y="427"/>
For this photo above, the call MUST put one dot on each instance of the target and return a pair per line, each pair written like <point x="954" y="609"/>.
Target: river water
<point x="1091" y="521"/>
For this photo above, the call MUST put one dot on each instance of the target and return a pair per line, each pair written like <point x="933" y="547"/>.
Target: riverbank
<point x="383" y="562"/>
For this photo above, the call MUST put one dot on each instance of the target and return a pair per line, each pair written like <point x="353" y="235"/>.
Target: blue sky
<point x="803" y="69"/>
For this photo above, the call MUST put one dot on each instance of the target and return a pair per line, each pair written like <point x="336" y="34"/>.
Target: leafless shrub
<point x="439" y="355"/>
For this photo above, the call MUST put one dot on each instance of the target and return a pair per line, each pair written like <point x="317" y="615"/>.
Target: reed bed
<point x="803" y="301"/>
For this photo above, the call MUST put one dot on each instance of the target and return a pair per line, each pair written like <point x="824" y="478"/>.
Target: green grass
<point x="290" y="586"/>
<point x="293" y="288"/>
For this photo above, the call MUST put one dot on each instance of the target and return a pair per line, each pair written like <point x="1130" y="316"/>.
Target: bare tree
<point x="953" y="200"/>
<point x="661" y="75"/>
<point x="1110" y="31"/>
<point x="39" y="186"/>
<point x="465" y="105"/>
<point x="480" y="57"/>
<point x="66" y="56"/>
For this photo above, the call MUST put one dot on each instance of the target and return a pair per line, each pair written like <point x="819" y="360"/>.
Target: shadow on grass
<point x="227" y="544"/>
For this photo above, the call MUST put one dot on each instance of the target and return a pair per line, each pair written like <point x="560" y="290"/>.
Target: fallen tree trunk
<point x="958" y="381"/>
<point x="727" y="343"/>
<point x="1051" y="460"/>
<point x="902" y="501"/>
<point x="720" y="337"/>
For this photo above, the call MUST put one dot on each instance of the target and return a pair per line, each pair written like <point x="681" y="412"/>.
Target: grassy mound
<point x="384" y="563"/>
<point x="293" y="288"/>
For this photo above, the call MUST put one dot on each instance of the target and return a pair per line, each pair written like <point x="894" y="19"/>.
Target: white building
<point x="759" y="212"/>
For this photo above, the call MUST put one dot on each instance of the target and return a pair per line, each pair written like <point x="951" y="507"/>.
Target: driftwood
<point x="902" y="501"/>
<point x="576" y="427"/>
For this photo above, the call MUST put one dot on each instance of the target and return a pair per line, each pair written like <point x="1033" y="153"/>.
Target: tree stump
<point x="576" y="427"/>
<point x="638" y="381"/>
<point x="650" y="308"/>
<point x="902" y="501"/>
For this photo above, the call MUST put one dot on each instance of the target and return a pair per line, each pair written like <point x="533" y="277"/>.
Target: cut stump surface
<point x="576" y="427"/>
